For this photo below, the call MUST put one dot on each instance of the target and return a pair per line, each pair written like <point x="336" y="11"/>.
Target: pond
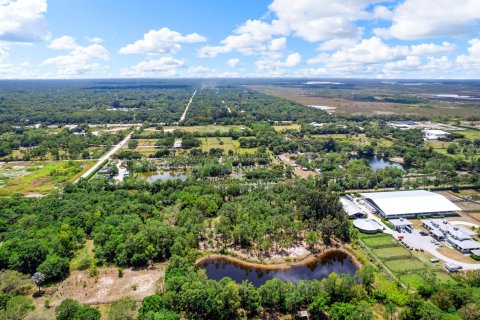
<point x="335" y="261"/>
<point x="164" y="176"/>
<point x="378" y="163"/>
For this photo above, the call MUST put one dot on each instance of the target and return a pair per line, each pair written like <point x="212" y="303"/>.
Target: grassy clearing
<point x="471" y="134"/>
<point x="391" y="252"/>
<point x="379" y="240"/>
<point x="281" y="128"/>
<point x="39" y="178"/>
<point x="204" y="129"/>
<point x="226" y="144"/>
<point x="84" y="257"/>
<point x="147" y="142"/>
<point x="414" y="280"/>
<point x="404" y="265"/>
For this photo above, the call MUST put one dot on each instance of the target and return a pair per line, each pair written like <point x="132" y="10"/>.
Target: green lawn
<point x="379" y="240"/>
<point x="391" y="252"/>
<point x="405" y="264"/>
<point x="413" y="280"/>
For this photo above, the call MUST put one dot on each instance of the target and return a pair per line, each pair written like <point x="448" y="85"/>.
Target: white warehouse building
<point x="409" y="204"/>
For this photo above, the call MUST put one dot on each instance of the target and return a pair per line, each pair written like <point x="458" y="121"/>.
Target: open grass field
<point x="471" y="134"/>
<point x="281" y="128"/>
<point x="202" y="129"/>
<point x="379" y="240"/>
<point x="404" y="265"/>
<point x="38" y="178"/>
<point x="225" y="143"/>
<point x="358" y="139"/>
<point x="391" y="252"/>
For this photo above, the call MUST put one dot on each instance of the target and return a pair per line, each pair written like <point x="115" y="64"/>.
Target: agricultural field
<point x="38" y="178"/>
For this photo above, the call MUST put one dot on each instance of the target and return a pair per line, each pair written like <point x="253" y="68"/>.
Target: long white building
<point x="409" y="204"/>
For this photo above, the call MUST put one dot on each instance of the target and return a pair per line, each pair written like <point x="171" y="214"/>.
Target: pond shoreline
<point x="312" y="258"/>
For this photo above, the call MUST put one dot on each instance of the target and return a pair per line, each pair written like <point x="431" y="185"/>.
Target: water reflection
<point x="338" y="262"/>
<point x="164" y="176"/>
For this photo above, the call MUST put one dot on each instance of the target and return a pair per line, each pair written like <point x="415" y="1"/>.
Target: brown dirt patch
<point x="106" y="287"/>
<point x="454" y="254"/>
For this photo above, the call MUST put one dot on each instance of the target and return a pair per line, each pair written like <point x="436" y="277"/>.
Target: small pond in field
<point x="164" y="176"/>
<point x="335" y="261"/>
<point x="377" y="163"/>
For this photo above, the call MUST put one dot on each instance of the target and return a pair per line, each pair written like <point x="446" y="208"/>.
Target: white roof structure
<point x="351" y="208"/>
<point x="436" y="132"/>
<point x="410" y="203"/>
<point x="367" y="225"/>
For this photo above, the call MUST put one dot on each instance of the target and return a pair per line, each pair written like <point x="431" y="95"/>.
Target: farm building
<point x="401" y="225"/>
<point x="367" y="226"/>
<point x="409" y="204"/>
<point x="458" y="237"/>
<point x="351" y="209"/>
<point x="435" y="134"/>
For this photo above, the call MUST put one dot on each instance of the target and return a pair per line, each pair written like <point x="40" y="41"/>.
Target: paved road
<point x="104" y="157"/>
<point x="188" y="106"/>
<point x="416" y="240"/>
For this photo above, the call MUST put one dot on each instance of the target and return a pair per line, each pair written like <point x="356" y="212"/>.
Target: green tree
<point x="54" y="267"/>
<point x="66" y="309"/>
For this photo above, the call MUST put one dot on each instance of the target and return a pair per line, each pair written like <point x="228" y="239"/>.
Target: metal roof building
<point x="367" y="225"/>
<point x="351" y="209"/>
<point x="403" y="204"/>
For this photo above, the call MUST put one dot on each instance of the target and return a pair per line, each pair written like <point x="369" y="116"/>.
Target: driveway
<point x="416" y="240"/>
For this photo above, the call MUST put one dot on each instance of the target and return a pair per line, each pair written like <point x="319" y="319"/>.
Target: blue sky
<point x="248" y="38"/>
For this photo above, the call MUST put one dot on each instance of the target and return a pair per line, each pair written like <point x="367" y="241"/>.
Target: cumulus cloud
<point x="23" y="20"/>
<point x="63" y="42"/>
<point x="273" y="64"/>
<point x="233" y="63"/>
<point x="80" y="59"/>
<point x="164" y="66"/>
<point x="422" y="19"/>
<point x="310" y="20"/>
<point x="161" y="41"/>
<point x="278" y="44"/>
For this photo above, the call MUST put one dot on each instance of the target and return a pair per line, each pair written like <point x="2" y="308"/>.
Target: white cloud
<point x="198" y="71"/>
<point x="274" y="65"/>
<point x="63" y="43"/>
<point x="233" y="62"/>
<point x="382" y="12"/>
<point x="335" y="44"/>
<point x="293" y="60"/>
<point x="23" y="20"/>
<point x="80" y="60"/>
<point x="311" y="20"/>
<point x="431" y="48"/>
<point x="372" y="50"/>
<point x="320" y="20"/>
<point x="421" y="19"/>
<point x="161" y="41"/>
<point x="95" y="39"/>
<point x="164" y="66"/>
<point x="278" y="44"/>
